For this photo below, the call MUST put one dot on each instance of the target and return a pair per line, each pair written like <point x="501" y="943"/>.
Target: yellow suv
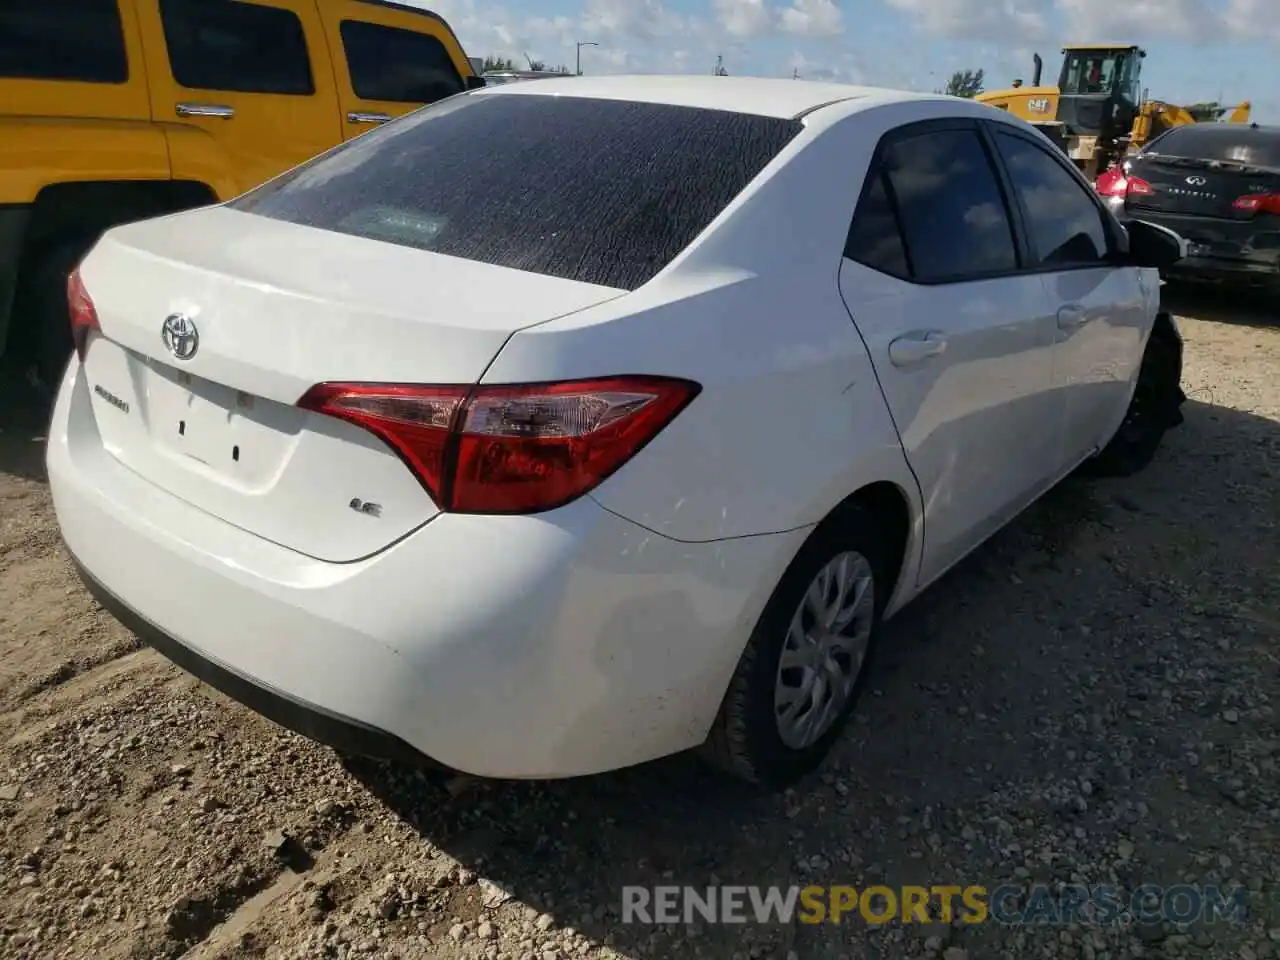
<point x="119" y="110"/>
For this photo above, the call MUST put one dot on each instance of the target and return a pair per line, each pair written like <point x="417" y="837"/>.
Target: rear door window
<point x="79" y="40"/>
<point x="1064" y="222"/>
<point x="949" y="202"/>
<point x="875" y="238"/>
<point x="236" y="46"/>
<point x="601" y="191"/>
<point x="398" y="66"/>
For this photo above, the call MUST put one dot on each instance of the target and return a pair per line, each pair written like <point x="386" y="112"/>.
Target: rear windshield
<point x="1235" y="143"/>
<point x="600" y="191"/>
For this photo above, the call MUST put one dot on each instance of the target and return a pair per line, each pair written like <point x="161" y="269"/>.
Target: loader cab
<point x="1100" y="89"/>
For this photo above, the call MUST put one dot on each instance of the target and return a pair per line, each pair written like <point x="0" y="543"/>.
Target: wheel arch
<point x="888" y="507"/>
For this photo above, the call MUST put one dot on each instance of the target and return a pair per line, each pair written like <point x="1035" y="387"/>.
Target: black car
<point x="1218" y="186"/>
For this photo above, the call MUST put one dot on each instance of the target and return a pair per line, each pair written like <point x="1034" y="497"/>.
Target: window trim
<point x="1012" y="213"/>
<point x="877" y="172"/>
<point x="124" y="50"/>
<point x="346" y="56"/>
<point x="306" y="46"/>
<point x="1110" y="226"/>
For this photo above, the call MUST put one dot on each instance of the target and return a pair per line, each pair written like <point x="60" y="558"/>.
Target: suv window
<point x="79" y="40"/>
<point x="236" y="46"/>
<point x="600" y="191"/>
<point x="1064" y="223"/>
<point x="399" y="66"/>
<point x="953" y="215"/>
<point x="875" y="239"/>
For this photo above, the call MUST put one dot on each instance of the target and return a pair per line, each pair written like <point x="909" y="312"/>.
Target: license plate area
<point x="195" y="418"/>
<point x="217" y="429"/>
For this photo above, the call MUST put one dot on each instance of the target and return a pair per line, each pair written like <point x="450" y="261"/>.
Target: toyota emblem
<point x="1196" y="181"/>
<point x="180" y="336"/>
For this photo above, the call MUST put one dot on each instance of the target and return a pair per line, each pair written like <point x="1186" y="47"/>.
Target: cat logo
<point x="1038" y="104"/>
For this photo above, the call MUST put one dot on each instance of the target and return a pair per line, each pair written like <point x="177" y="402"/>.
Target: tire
<point x="1155" y="407"/>
<point x="747" y="739"/>
<point x="43" y="306"/>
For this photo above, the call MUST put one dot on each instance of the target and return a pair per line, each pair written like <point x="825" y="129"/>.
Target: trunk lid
<point x="1191" y="186"/>
<point x="278" y="307"/>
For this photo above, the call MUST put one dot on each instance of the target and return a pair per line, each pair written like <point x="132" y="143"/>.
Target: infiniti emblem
<point x="1196" y="181"/>
<point x="180" y="336"/>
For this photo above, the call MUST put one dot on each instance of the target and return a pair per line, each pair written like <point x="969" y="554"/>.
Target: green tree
<point x="1206" y="112"/>
<point x="964" y="83"/>
<point x="498" y="64"/>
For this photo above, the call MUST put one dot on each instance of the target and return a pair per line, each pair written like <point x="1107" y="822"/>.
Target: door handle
<point x="205" y="110"/>
<point x="915" y="347"/>
<point x="1072" y="317"/>
<point x="356" y="116"/>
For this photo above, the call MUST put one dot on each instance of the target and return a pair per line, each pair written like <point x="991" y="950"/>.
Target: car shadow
<point x="1219" y="303"/>
<point x="24" y="420"/>
<point x="965" y="697"/>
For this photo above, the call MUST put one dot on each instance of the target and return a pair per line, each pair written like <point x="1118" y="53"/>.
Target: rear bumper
<point x="344" y="734"/>
<point x="1220" y="249"/>
<point x="562" y="644"/>
<point x="1225" y="269"/>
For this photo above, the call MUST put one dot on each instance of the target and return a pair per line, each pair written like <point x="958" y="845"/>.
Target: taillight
<point x="510" y="449"/>
<point x="1137" y="187"/>
<point x="1259" y="203"/>
<point x="1110" y="183"/>
<point x="84" y="317"/>
<point x="1115" y="183"/>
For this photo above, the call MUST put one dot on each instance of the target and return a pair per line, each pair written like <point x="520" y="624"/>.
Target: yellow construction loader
<point x="1098" y="112"/>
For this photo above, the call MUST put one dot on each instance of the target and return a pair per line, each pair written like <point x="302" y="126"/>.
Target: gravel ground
<point x="1090" y="698"/>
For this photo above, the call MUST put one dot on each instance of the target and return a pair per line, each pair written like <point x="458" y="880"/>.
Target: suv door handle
<point x="205" y="110"/>
<point x="1072" y="317"/>
<point x="916" y="347"/>
<point x="356" y="116"/>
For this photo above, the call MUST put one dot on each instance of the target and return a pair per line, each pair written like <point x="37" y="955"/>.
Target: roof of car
<point x="1228" y="131"/>
<point x="759" y="95"/>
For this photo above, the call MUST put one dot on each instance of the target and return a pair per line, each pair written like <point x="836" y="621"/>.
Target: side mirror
<point x="475" y="82"/>
<point x="1153" y="246"/>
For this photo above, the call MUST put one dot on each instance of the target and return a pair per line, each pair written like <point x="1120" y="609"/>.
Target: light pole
<point x="581" y="44"/>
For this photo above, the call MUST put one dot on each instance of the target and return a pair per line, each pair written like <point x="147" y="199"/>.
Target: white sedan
<point x="616" y="439"/>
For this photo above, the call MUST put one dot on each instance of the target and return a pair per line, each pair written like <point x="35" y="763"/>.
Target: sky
<point x="1226" y="50"/>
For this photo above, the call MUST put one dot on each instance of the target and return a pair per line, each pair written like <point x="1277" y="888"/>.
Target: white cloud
<point x="812" y="18"/>
<point x="639" y="19"/>
<point x="652" y="36"/>
<point x="744" y="18"/>
<point x="1004" y="20"/>
<point x="1098" y="20"/>
<point x="1253" y="19"/>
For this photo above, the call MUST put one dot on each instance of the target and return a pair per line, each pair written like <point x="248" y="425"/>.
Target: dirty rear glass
<point x="1230" y="142"/>
<point x="600" y="191"/>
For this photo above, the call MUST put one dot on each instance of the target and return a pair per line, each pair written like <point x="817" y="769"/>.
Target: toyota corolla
<point x="557" y="427"/>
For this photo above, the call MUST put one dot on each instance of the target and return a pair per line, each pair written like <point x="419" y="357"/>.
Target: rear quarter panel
<point x="790" y="420"/>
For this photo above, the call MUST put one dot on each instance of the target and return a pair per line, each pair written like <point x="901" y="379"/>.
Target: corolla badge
<point x="1196" y="181"/>
<point x="180" y="336"/>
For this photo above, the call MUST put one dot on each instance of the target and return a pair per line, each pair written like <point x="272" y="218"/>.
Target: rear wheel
<point x="1154" y="408"/>
<point x="805" y="664"/>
